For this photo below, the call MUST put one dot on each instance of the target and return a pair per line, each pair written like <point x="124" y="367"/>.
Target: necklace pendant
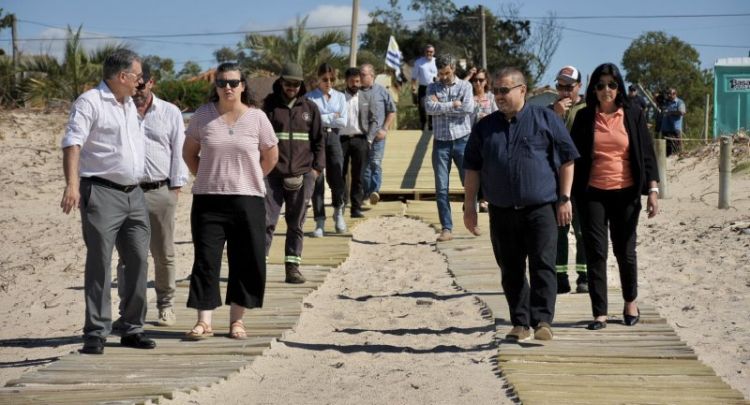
<point x="231" y="132"/>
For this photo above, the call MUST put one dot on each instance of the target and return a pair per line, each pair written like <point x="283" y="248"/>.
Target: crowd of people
<point x="583" y="162"/>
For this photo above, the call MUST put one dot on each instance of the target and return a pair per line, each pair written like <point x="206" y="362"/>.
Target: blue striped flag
<point x="394" y="58"/>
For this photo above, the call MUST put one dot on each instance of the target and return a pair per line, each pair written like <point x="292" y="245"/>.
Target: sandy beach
<point x="694" y="262"/>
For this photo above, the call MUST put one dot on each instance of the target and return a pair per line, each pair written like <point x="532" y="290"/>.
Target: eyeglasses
<point x="504" y="90"/>
<point x="233" y="83"/>
<point x="601" y="85"/>
<point x="138" y="76"/>
<point x="569" y="87"/>
<point x="479" y="80"/>
<point x="326" y="80"/>
<point x="288" y="83"/>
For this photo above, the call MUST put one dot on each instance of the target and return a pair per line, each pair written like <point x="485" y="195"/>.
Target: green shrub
<point x="188" y="96"/>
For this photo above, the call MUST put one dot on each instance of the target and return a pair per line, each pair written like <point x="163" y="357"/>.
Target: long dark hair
<point x="326" y="68"/>
<point x="246" y="97"/>
<point x="605" y="69"/>
<point x="486" y="79"/>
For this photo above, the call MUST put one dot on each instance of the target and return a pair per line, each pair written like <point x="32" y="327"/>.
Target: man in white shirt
<point x="354" y="138"/>
<point x="165" y="174"/>
<point x="103" y="162"/>
<point x="423" y="73"/>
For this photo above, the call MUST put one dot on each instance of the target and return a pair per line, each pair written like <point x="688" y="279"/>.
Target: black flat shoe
<point x="630" y="320"/>
<point x="137" y="341"/>
<point x="93" y="345"/>
<point x="596" y="325"/>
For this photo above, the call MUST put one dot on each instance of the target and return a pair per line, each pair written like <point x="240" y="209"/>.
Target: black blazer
<point x="642" y="156"/>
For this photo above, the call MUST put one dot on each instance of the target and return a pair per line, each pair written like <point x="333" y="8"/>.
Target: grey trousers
<point x="162" y="205"/>
<point x="110" y="217"/>
<point x="295" y="211"/>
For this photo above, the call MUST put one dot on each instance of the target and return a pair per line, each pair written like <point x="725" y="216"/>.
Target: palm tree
<point x="46" y="79"/>
<point x="271" y="52"/>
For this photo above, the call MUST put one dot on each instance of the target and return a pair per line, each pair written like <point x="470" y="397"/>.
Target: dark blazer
<point x="642" y="156"/>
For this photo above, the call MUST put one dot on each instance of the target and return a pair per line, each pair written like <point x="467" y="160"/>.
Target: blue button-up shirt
<point x="672" y="122"/>
<point x="519" y="160"/>
<point x="333" y="110"/>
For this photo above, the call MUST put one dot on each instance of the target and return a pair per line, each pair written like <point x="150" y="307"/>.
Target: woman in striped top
<point x="230" y="146"/>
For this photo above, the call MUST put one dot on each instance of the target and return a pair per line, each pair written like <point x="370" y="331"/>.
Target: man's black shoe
<point x="137" y="341"/>
<point x="93" y="345"/>
<point x="357" y="214"/>
<point x="563" y="285"/>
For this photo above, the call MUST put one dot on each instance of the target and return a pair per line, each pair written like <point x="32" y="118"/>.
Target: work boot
<point x="338" y="218"/>
<point x="293" y="276"/>
<point x="563" y="285"/>
<point x="167" y="317"/>
<point x="582" y="283"/>
<point x="319" y="225"/>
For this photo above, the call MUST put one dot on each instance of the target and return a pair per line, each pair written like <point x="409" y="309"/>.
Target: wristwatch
<point x="563" y="199"/>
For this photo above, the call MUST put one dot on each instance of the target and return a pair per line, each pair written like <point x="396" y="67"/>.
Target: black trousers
<point x="423" y="117"/>
<point x="562" y="245"/>
<point x="333" y="174"/>
<point x="518" y="234"/>
<point x="355" y="150"/>
<point x="617" y="210"/>
<point x="295" y="211"/>
<point x="239" y="221"/>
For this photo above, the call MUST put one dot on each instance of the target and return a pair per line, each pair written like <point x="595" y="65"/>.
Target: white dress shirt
<point x="165" y="134"/>
<point x="424" y="71"/>
<point x="109" y="134"/>
<point x="352" y="119"/>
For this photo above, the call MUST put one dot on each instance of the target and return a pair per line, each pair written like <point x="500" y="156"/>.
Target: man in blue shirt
<point x="523" y="157"/>
<point x="671" y="124"/>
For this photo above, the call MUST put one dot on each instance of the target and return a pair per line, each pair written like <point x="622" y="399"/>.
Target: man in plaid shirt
<point x="450" y="102"/>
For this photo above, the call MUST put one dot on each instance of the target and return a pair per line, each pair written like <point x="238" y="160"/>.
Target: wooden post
<point x="14" y="38"/>
<point x="705" y="120"/>
<point x="354" y="42"/>
<point x="660" y="148"/>
<point x="725" y="171"/>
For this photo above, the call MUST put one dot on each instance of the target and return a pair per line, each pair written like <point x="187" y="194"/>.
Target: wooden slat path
<point x="127" y="376"/>
<point x="407" y="166"/>
<point x="647" y="363"/>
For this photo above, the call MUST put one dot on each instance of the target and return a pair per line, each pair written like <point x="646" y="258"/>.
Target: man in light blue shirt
<point x="450" y="102"/>
<point x="381" y="115"/>
<point x="671" y="122"/>
<point x="333" y="114"/>
<point x="422" y="75"/>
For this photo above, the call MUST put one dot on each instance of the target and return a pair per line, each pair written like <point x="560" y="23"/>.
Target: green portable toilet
<point x="731" y="96"/>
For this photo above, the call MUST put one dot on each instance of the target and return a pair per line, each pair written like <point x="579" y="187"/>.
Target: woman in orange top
<point x="617" y="166"/>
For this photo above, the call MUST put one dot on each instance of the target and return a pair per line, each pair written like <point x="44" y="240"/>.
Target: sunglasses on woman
<point x="601" y="85"/>
<point x="233" y="83"/>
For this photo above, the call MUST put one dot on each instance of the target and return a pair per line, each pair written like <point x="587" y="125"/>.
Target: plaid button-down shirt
<point x="448" y="122"/>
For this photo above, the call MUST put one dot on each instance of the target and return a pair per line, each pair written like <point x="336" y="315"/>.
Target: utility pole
<point x="14" y="36"/>
<point x="354" y="43"/>
<point x="484" y="39"/>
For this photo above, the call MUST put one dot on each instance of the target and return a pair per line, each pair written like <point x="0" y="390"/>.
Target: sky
<point x="585" y="42"/>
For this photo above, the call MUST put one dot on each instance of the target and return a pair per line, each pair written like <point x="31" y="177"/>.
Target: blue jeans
<point x="372" y="176"/>
<point x="442" y="154"/>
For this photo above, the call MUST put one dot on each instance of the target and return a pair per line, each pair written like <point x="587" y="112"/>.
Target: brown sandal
<point x="237" y="330"/>
<point x="194" y="334"/>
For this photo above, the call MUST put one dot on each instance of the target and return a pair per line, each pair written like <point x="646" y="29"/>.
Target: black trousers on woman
<point x="616" y="211"/>
<point x="333" y="174"/>
<point x="240" y="222"/>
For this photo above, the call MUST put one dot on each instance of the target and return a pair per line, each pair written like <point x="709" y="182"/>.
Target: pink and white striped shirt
<point x="230" y="154"/>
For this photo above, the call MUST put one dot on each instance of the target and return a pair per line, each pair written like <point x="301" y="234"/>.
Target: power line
<point x="630" y="17"/>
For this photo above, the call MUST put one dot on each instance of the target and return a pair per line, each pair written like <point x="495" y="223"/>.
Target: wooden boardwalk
<point x="645" y="364"/>
<point x="407" y="167"/>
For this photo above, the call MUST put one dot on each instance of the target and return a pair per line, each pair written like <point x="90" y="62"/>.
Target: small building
<point x="731" y="95"/>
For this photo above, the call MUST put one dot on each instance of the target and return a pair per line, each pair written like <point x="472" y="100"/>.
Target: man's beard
<point x="352" y="90"/>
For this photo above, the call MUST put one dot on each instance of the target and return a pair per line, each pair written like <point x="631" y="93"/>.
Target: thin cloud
<point x="52" y="42"/>
<point x="324" y="15"/>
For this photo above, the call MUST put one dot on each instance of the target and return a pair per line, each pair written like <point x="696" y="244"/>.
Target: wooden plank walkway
<point x="407" y="167"/>
<point x="647" y="363"/>
<point x="127" y="376"/>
